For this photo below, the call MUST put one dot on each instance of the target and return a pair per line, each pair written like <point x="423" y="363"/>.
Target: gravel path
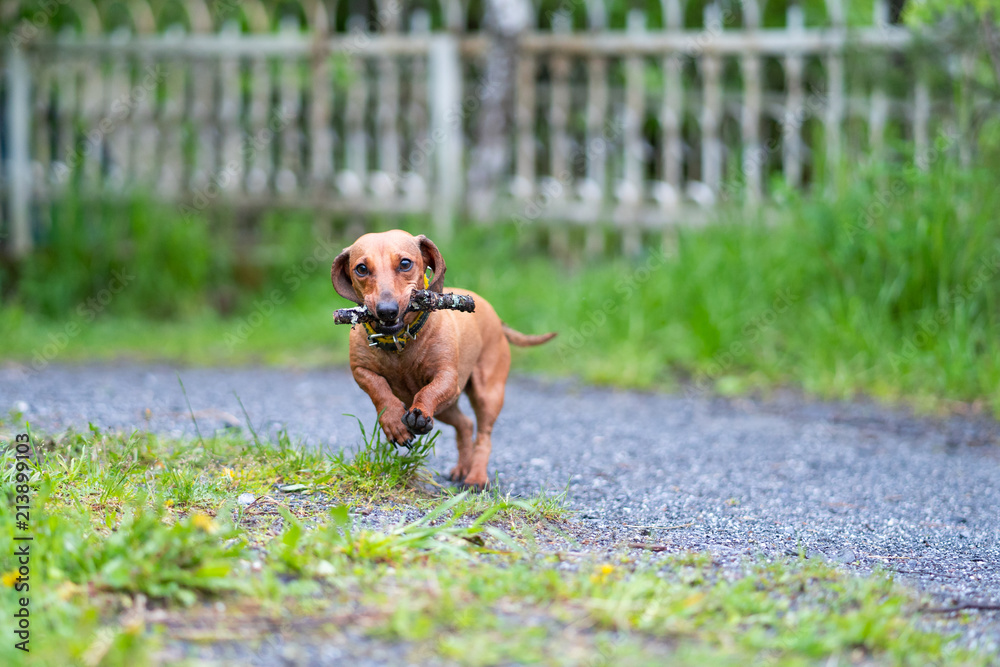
<point x="850" y="482"/>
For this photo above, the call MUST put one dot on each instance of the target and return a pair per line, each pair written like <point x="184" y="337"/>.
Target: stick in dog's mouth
<point x="420" y="300"/>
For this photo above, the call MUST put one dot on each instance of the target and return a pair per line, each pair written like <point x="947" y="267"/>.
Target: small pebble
<point x="845" y="556"/>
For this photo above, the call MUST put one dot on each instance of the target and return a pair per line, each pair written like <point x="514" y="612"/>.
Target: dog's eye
<point x="405" y="265"/>
<point x="361" y="270"/>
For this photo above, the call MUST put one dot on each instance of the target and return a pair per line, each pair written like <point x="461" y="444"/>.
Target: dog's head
<point x="381" y="271"/>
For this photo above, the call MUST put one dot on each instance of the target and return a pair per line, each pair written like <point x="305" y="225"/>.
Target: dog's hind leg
<point x="486" y="393"/>
<point x="464" y="428"/>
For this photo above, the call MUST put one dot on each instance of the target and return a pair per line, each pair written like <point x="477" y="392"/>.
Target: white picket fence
<point x="632" y="126"/>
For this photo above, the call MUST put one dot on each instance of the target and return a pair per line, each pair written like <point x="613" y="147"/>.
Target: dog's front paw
<point x="396" y="431"/>
<point x="476" y="481"/>
<point x="418" y="422"/>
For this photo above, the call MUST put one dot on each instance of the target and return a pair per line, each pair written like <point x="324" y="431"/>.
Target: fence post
<point x="444" y="83"/>
<point x="18" y="115"/>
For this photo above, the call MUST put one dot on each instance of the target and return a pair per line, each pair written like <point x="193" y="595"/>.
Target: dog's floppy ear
<point x="434" y="260"/>
<point x="341" y="279"/>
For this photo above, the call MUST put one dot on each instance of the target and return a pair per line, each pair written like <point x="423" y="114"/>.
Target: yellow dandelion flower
<point x="692" y="600"/>
<point x="602" y="574"/>
<point x="169" y="503"/>
<point x="9" y="578"/>
<point x="204" y="522"/>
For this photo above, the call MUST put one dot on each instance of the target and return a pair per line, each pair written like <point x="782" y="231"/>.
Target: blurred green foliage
<point x="166" y="264"/>
<point x="972" y="26"/>
<point x="52" y="16"/>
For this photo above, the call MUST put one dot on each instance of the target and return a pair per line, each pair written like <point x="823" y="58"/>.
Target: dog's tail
<point x="524" y="340"/>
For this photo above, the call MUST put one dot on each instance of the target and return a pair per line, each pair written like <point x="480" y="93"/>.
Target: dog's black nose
<point x="387" y="311"/>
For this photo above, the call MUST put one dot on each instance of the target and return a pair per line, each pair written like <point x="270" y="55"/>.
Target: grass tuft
<point x="540" y="507"/>
<point x="380" y="466"/>
<point x="336" y="544"/>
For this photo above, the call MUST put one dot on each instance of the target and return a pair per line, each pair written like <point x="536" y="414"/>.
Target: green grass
<point x="890" y="289"/>
<point x="128" y="524"/>
<point x="378" y="467"/>
<point x="541" y="507"/>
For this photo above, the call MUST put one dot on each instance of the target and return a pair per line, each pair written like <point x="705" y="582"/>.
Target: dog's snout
<point x="387" y="311"/>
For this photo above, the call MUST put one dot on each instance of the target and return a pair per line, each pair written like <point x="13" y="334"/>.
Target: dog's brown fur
<point x="454" y="351"/>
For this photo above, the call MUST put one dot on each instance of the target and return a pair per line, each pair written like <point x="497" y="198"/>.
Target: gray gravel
<point x="850" y="482"/>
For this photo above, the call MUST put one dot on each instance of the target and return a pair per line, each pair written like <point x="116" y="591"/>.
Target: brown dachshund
<point x="415" y="365"/>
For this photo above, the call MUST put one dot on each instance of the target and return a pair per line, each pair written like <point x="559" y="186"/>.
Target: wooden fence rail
<point x="629" y="126"/>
